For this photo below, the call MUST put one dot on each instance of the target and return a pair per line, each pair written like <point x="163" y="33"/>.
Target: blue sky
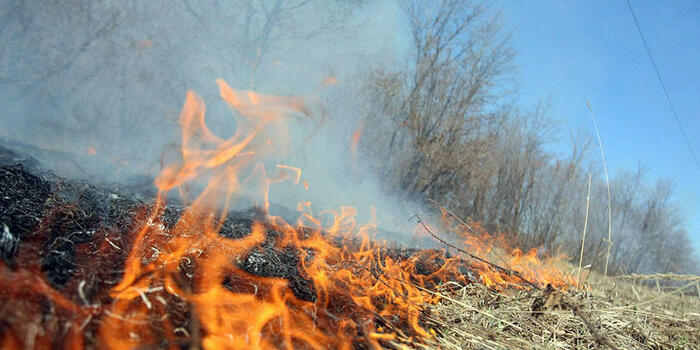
<point x="574" y="51"/>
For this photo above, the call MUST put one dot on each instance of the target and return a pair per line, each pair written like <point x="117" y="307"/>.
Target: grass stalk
<point x="583" y="237"/>
<point x="607" y="183"/>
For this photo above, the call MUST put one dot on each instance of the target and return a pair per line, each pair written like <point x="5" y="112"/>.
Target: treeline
<point x="108" y="77"/>
<point x="446" y="128"/>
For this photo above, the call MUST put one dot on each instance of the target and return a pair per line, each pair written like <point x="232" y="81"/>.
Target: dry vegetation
<point x="444" y="125"/>
<point x="629" y="315"/>
<point x="451" y="133"/>
<point x="446" y="129"/>
<point x="455" y="136"/>
<point x="625" y="312"/>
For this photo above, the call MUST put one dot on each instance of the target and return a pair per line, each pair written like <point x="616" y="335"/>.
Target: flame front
<point x="231" y="307"/>
<point x="183" y="283"/>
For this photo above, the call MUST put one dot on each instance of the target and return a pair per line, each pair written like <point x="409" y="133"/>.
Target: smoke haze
<point x="95" y="89"/>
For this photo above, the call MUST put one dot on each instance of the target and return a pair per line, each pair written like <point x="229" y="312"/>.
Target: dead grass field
<point x="624" y="314"/>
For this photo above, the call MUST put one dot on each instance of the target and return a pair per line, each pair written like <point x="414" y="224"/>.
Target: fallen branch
<point x="600" y="337"/>
<point x="510" y="272"/>
<point x="468" y="227"/>
<point x="554" y="299"/>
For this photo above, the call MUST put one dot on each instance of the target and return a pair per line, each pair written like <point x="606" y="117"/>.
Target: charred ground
<point x="76" y="236"/>
<point x="65" y="242"/>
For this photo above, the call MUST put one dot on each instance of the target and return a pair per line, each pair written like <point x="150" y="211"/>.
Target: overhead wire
<point x="663" y="86"/>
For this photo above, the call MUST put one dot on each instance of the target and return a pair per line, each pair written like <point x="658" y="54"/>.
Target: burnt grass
<point x="56" y="219"/>
<point x="78" y="236"/>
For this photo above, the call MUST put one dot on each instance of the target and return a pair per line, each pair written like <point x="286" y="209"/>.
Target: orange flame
<point x="262" y="311"/>
<point x="476" y="240"/>
<point x="355" y="140"/>
<point x="183" y="282"/>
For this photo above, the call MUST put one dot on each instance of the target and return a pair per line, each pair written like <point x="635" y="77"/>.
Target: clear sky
<point x="574" y="51"/>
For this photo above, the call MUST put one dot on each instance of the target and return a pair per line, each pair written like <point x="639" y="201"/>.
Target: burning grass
<point x="56" y="287"/>
<point x="71" y="257"/>
<point x="86" y="267"/>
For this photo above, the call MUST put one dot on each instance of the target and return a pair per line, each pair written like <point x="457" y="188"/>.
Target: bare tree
<point x="444" y="107"/>
<point x="443" y="128"/>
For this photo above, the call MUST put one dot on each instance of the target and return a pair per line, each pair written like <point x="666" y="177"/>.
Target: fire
<point x="235" y="309"/>
<point x="142" y="45"/>
<point x="330" y="80"/>
<point x="187" y="283"/>
<point x="355" y="140"/>
<point x="477" y="240"/>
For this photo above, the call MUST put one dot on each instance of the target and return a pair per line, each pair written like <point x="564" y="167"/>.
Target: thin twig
<point x="600" y="337"/>
<point x="500" y="268"/>
<point x="503" y="260"/>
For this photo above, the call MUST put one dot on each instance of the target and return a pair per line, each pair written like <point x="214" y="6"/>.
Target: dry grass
<point x="630" y="316"/>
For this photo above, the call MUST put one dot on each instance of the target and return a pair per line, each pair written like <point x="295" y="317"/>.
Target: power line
<point x="663" y="86"/>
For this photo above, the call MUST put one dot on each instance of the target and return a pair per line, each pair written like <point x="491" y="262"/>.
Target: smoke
<point x="94" y="89"/>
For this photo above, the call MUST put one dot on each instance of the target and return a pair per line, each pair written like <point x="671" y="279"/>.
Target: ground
<point x="75" y="236"/>
<point x="631" y="315"/>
